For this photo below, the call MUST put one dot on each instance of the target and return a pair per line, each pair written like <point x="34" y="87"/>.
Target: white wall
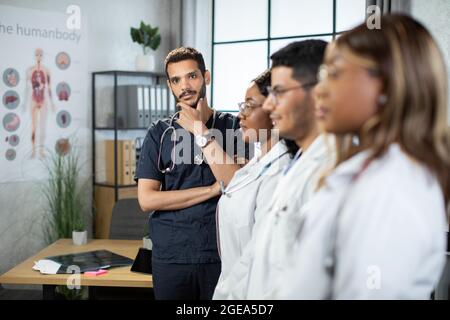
<point x="196" y="28"/>
<point x="109" y="48"/>
<point x="434" y="14"/>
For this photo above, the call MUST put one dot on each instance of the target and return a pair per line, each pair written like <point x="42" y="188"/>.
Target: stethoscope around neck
<point x="198" y="159"/>
<point x="226" y="191"/>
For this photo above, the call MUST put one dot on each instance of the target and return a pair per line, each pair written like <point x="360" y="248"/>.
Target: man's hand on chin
<point x="194" y="119"/>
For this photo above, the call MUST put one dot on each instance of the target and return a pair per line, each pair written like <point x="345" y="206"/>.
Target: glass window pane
<point x="235" y="65"/>
<point x="275" y="45"/>
<point x="301" y="17"/>
<point x="349" y="13"/>
<point x="240" y="20"/>
<point x="104" y="100"/>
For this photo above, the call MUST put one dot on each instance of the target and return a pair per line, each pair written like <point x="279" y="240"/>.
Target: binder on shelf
<point x="126" y="165"/>
<point x="141" y="107"/>
<point x="147" y="111"/>
<point x="132" y="161"/>
<point x="164" y="102"/>
<point x="159" y="111"/>
<point x="126" y="161"/>
<point x="138" y="147"/>
<point x="109" y="161"/>
<point x="153" y="110"/>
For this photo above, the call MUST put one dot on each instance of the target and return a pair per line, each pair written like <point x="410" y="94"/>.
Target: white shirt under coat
<point x="265" y="254"/>
<point x="246" y="196"/>
<point x="390" y="238"/>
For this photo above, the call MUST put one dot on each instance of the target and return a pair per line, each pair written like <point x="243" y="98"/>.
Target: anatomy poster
<point x="43" y="89"/>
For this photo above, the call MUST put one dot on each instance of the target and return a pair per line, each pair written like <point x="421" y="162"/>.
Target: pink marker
<point x="95" y="273"/>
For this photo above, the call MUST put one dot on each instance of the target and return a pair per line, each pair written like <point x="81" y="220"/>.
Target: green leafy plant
<point x="66" y="199"/>
<point x="66" y="204"/>
<point x="146" y="36"/>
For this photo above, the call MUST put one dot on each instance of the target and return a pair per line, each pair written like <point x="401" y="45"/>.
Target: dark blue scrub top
<point x="186" y="235"/>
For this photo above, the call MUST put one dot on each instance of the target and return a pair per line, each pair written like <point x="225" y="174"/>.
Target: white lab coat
<point x="246" y="196"/>
<point x="250" y="277"/>
<point x="390" y="237"/>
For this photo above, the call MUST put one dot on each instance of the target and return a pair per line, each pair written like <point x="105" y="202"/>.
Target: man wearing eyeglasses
<point x="181" y="186"/>
<point x="292" y="109"/>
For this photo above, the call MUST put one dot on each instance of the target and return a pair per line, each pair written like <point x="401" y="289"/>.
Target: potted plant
<point x="66" y="203"/>
<point x="79" y="233"/>
<point x="148" y="38"/>
<point x="65" y="194"/>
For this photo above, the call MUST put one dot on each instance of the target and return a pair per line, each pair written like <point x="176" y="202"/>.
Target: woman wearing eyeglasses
<point x="376" y="228"/>
<point x="248" y="193"/>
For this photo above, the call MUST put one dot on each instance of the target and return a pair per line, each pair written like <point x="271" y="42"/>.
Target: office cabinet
<point x="125" y="104"/>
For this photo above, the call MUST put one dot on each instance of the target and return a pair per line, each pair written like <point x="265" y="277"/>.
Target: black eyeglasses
<point x="246" y="107"/>
<point x="275" y="92"/>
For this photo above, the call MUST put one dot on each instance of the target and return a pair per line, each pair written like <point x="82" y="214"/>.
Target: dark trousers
<point x="173" y="281"/>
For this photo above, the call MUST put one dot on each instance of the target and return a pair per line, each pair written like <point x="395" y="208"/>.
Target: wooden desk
<point x="116" y="277"/>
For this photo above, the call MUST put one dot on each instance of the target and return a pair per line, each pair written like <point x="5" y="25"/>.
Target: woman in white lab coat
<point x="251" y="188"/>
<point x="376" y="228"/>
<point x="292" y="108"/>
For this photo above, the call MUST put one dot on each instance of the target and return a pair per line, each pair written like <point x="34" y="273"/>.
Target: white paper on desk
<point x="47" y="266"/>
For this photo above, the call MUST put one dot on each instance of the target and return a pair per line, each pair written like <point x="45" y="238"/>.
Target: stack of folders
<point x="126" y="161"/>
<point x="159" y="102"/>
<point x="138" y="106"/>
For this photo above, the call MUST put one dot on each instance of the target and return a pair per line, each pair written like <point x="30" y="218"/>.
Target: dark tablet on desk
<point x="143" y="261"/>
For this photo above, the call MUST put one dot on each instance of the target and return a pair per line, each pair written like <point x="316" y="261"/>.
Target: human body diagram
<point x="39" y="97"/>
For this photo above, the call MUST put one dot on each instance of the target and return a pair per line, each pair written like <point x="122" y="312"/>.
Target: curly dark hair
<point x="263" y="81"/>
<point x="185" y="53"/>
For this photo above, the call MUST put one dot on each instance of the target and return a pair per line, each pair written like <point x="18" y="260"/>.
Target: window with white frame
<point x="246" y="32"/>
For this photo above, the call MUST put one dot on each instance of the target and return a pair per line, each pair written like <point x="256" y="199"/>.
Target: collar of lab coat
<point x="255" y="166"/>
<point x="347" y="170"/>
<point x="316" y="152"/>
<point x="274" y="153"/>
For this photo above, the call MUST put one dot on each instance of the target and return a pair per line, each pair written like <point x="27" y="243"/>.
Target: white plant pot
<point x="79" y="237"/>
<point x="147" y="243"/>
<point x="145" y="62"/>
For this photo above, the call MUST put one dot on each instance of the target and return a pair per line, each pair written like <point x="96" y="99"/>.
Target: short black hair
<point x="304" y="57"/>
<point x="185" y="53"/>
<point x="262" y="82"/>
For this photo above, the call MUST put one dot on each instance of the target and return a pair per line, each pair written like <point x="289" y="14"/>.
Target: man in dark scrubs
<point x="180" y="180"/>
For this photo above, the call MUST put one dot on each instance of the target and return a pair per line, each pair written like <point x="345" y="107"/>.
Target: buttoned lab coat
<point x="246" y="197"/>
<point x="264" y="255"/>
<point x="383" y="234"/>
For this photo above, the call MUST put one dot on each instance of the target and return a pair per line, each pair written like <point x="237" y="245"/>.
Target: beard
<point x="201" y="95"/>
